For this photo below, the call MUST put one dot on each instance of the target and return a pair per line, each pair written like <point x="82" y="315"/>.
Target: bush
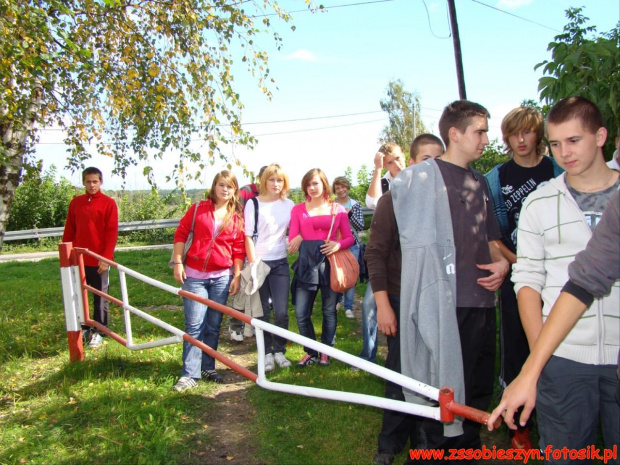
<point x="150" y="206"/>
<point x="40" y="202"/>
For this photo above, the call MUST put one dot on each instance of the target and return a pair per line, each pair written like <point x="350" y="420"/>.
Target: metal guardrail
<point x="122" y="227"/>
<point x="57" y="232"/>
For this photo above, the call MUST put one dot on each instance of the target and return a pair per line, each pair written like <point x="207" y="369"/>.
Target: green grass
<point x="118" y="407"/>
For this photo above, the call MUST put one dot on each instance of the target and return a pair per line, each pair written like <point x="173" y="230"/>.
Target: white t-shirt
<point x="371" y="202"/>
<point x="614" y="162"/>
<point x="273" y="220"/>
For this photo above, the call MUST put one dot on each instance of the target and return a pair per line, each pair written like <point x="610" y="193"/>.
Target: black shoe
<point x="383" y="458"/>
<point x="211" y="375"/>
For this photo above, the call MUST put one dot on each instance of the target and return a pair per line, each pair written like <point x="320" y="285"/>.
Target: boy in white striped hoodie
<point x="576" y="388"/>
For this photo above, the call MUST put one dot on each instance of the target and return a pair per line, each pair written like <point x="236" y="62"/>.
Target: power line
<point x="516" y="16"/>
<point x="319" y="129"/>
<point x="325" y="8"/>
<point x="429" y="23"/>
<point x="314" y="118"/>
<point x="294" y="120"/>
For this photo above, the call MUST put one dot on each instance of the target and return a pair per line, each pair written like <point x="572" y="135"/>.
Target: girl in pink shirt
<point x="310" y="224"/>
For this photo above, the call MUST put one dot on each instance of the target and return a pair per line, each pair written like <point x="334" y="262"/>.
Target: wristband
<point x="177" y="263"/>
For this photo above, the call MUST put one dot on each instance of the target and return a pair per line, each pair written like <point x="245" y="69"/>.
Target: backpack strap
<point x="255" y="233"/>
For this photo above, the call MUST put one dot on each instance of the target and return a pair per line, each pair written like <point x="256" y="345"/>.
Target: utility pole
<point x="457" y="50"/>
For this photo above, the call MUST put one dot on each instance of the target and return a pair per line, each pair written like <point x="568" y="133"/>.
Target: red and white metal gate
<point x="75" y="295"/>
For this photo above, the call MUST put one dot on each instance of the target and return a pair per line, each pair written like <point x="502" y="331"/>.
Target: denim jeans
<point x="276" y="286"/>
<point x="369" y="326"/>
<point x="349" y="295"/>
<point x="303" y="311"/>
<point x="202" y="322"/>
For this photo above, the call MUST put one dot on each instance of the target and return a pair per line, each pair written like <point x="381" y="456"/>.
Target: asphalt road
<point x="36" y="256"/>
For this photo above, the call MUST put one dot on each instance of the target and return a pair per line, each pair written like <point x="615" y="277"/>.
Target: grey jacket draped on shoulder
<point x="429" y="334"/>
<point x="247" y="300"/>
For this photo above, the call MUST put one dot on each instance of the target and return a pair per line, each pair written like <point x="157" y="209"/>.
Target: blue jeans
<point x="202" y="322"/>
<point x="303" y="312"/>
<point x="369" y="326"/>
<point x="349" y="295"/>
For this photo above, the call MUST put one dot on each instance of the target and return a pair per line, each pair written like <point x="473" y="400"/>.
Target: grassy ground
<point x="117" y="406"/>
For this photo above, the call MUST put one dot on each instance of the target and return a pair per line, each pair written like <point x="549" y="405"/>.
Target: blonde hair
<point x="524" y="119"/>
<point x="233" y="206"/>
<point x="274" y="170"/>
<point x="305" y="181"/>
<point x="390" y="148"/>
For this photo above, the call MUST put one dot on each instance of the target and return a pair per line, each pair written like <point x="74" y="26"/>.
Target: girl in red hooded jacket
<point x="212" y="270"/>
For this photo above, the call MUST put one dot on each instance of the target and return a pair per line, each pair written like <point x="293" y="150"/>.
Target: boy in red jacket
<point x="92" y="223"/>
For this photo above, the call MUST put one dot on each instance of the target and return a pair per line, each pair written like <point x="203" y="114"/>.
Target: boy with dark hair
<point x="576" y="387"/>
<point x="384" y="262"/>
<point x="92" y="223"/>
<point x="509" y="184"/>
<point x="447" y="293"/>
<point x="423" y="147"/>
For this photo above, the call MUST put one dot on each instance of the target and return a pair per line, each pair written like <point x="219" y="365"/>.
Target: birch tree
<point x="136" y="80"/>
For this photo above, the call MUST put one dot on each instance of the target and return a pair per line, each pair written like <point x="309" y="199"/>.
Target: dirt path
<point x="231" y="442"/>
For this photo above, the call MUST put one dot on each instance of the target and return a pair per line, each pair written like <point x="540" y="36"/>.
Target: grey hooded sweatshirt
<point x="430" y="341"/>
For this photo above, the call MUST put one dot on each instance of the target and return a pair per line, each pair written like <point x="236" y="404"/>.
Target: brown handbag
<point x="344" y="266"/>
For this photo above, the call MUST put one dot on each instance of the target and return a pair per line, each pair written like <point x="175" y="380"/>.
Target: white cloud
<point x="301" y="55"/>
<point x="513" y="4"/>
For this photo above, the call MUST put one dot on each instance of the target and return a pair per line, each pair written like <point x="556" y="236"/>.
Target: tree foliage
<point x="587" y="64"/>
<point x="492" y="156"/>
<point x="402" y="107"/>
<point x="359" y="186"/>
<point x="132" y="79"/>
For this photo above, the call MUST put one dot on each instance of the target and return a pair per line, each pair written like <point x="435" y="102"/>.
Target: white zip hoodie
<point x="552" y="230"/>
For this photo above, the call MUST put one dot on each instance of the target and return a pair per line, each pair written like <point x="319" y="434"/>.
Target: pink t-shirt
<point x="317" y="227"/>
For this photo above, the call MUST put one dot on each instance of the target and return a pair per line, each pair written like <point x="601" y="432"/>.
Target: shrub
<point x="40" y="201"/>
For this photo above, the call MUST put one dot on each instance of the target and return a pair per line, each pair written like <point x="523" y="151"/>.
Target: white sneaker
<point x="248" y="330"/>
<point x="349" y="313"/>
<point x="281" y="360"/>
<point x="236" y="335"/>
<point x="269" y="366"/>
<point x="184" y="382"/>
<point x="95" y="341"/>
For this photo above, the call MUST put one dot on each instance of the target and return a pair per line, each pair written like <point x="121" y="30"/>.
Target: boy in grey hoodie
<point x="448" y="237"/>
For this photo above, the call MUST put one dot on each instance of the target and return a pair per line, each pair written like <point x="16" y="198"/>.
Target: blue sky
<point x="339" y="62"/>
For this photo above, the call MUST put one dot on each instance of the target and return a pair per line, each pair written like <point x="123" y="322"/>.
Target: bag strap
<point x="194" y="217"/>
<point x="334" y="208"/>
<point x="255" y="233"/>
